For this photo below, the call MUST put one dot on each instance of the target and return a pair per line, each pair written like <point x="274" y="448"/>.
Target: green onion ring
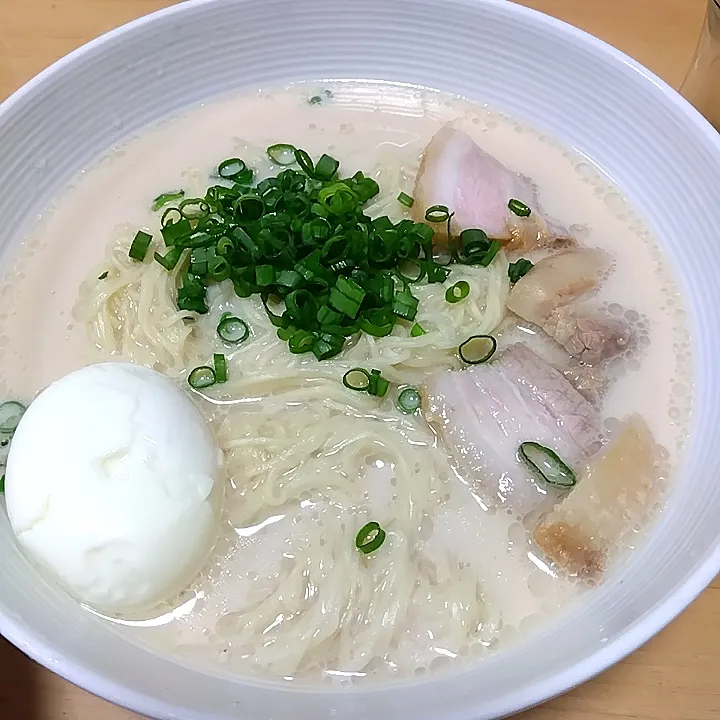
<point x="408" y="401"/>
<point x="457" y="292"/>
<point x="546" y="463"/>
<point x="201" y="377"/>
<point x="232" y="329"/>
<point x="475" y="356"/>
<point x="10" y="414"/>
<point x="282" y="153"/>
<point x="357" y="379"/>
<point x="220" y="364"/>
<point x="519" y="208"/>
<point x="370" y="537"/>
<point x="405" y="199"/>
<point x="437" y="213"/>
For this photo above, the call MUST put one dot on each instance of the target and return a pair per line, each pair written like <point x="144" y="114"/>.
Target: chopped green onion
<point x="417" y="330"/>
<point x="357" y="379"/>
<point x="201" y="377"/>
<point x="170" y="259"/>
<point x="224" y="246"/>
<point x="232" y="168"/>
<point x="102" y="276"/>
<point x="437" y="214"/>
<point x="264" y="275"/>
<point x="233" y="330"/>
<point x="194" y="208"/>
<point x="443" y="254"/>
<point x="405" y="305"/>
<point x="347" y="296"/>
<point x="168" y="197"/>
<point x="282" y="153"/>
<point x="301" y="341"/>
<point x="408" y="401"/>
<point x="377" y="385"/>
<point x="519" y="208"/>
<point x="302" y="237"/>
<point x="139" y="247"/>
<point x="457" y="292"/>
<point x="249" y="208"/>
<point x="547" y="465"/>
<point x="519" y="269"/>
<point x="2" y="483"/>
<point x="10" y="414"/>
<point x="327" y="345"/>
<point x="317" y="99"/>
<point x="220" y="364"/>
<point x="305" y="162"/>
<point x="490" y="253"/>
<point x="477" y="349"/>
<point x="405" y="199"/>
<point x="174" y="232"/>
<point x="369" y="538"/>
<point x="326" y="167"/>
<point x="412" y="271"/>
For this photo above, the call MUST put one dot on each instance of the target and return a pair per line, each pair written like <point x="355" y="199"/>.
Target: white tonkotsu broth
<point x="307" y="461"/>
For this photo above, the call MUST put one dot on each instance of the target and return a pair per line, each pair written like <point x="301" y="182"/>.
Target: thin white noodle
<point x="298" y="444"/>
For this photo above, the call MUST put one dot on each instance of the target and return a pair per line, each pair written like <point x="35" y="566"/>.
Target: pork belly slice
<point x="483" y="413"/>
<point x="547" y="297"/>
<point x="471" y="183"/>
<point x="614" y="494"/>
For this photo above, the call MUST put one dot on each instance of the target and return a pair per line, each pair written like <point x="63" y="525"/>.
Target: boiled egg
<point x="112" y="483"/>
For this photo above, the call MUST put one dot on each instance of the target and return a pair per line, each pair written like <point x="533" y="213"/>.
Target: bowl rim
<point x="684" y="593"/>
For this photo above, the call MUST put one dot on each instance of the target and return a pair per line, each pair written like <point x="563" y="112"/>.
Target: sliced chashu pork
<point x="613" y="494"/>
<point x="477" y="188"/>
<point x="485" y="412"/>
<point x="547" y="296"/>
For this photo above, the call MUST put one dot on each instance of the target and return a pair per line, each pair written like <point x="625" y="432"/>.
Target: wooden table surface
<point x="676" y="676"/>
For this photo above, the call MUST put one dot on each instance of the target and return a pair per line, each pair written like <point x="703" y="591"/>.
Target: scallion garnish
<point x="233" y="330"/>
<point x="437" y="214"/>
<point x="301" y="341"/>
<point x="301" y="240"/>
<point x="477" y="349"/>
<point x="220" y="364"/>
<point x="417" y="330"/>
<point x="408" y="400"/>
<point x="201" y="377"/>
<point x="162" y="200"/>
<point x="325" y="168"/>
<point x="519" y="269"/>
<point x="102" y="276"/>
<point x="457" y="292"/>
<point x="373" y="383"/>
<point x="405" y="199"/>
<point x="2" y="483"/>
<point x="10" y="414"/>
<point x="357" y="379"/>
<point x="519" y="208"/>
<point x="378" y="385"/>
<point x="369" y="538"/>
<point x="547" y="465"/>
<point x="476" y="248"/>
<point x="232" y="169"/>
<point x="170" y="259"/>
<point x="282" y="153"/>
<point x="139" y="246"/>
<point x="317" y="99"/>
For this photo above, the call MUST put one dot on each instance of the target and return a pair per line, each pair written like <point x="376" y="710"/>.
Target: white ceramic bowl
<point x="657" y="149"/>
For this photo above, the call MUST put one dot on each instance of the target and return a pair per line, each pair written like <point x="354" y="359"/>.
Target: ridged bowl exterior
<point x="655" y="147"/>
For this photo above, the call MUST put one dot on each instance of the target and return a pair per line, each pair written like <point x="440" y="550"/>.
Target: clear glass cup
<point x="701" y="86"/>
